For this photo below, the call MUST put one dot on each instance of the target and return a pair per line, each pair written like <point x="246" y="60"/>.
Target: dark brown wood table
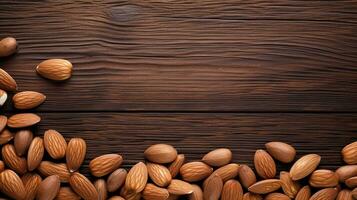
<point x="195" y="74"/>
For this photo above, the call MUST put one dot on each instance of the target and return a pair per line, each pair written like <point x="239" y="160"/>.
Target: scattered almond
<point x="346" y="172"/>
<point x="197" y="193"/>
<point x="276" y="196"/>
<point x="105" y="164"/>
<point x="195" y="171"/>
<point x="101" y="187"/>
<point x="6" y="136"/>
<point x="48" y="188"/>
<point x="304" y="193"/>
<point x="176" y="165"/>
<point x="218" y="157"/>
<point x="28" y="99"/>
<point x="265" y="186"/>
<point x="252" y="196"/>
<point x="23" y="120"/>
<point x="232" y="190"/>
<point x="344" y="195"/>
<point x="3" y="122"/>
<point x="351" y="182"/>
<point x="116" y="198"/>
<point x="35" y="153"/>
<point x="349" y="153"/>
<point x="7" y="83"/>
<point x="178" y="187"/>
<point x="47" y="168"/>
<point x="66" y="193"/>
<point x="152" y="192"/>
<point x="31" y="182"/>
<point x="354" y="193"/>
<point x="137" y="178"/>
<point x="8" y="46"/>
<point x="304" y="166"/>
<point x="264" y="164"/>
<point x="22" y="141"/>
<point x="83" y="187"/>
<point x="281" y="151"/>
<point x="75" y="153"/>
<point x="12" y="185"/>
<point x="130" y="194"/>
<point x="55" y="144"/>
<point x="55" y="69"/>
<point x="213" y="188"/>
<point x="227" y="172"/>
<point x="325" y="194"/>
<point x="246" y="176"/>
<point x="290" y="187"/>
<point x="116" y="180"/>
<point x="161" y="153"/>
<point x="323" y="178"/>
<point x="12" y="160"/>
<point x="159" y="174"/>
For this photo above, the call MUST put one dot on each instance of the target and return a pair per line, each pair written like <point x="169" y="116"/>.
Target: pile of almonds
<point x="26" y="175"/>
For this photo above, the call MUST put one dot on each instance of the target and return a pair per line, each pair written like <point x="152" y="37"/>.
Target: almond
<point x="129" y="194"/>
<point x="6" y="136"/>
<point x="304" y="166"/>
<point x="195" y="171"/>
<point x="55" y="69"/>
<point x="35" y="153"/>
<point x="12" y="160"/>
<point x="22" y="141"/>
<point x="276" y="196"/>
<point x="116" y="180"/>
<point x="55" y="144"/>
<point x="48" y="188"/>
<point x="265" y="186"/>
<point x="105" y="164"/>
<point x="3" y="97"/>
<point x="304" y="193"/>
<point x="23" y="120"/>
<point x="101" y="187"/>
<point x="31" y="182"/>
<point x="28" y="99"/>
<point x="349" y="153"/>
<point x="159" y="174"/>
<point x="47" y="168"/>
<point x="325" y="194"/>
<point x="197" y="193"/>
<point x="12" y="185"/>
<point x="3" y="122"/>
<point x="344" y="195"/>
<point x="264" y="164"/>
<point x="161" y="153"/>
<point x="354" y="193"/>
<point x="66" y="193"/>
<point x="346" y="172"/>
<point x="116" y="198"/>
<point x="252" y="196"/>
<point x="7" y="83"/>
<point x="227" y="172"/>
<point x="218" y="157"/>
<point x="83" y="187"/>
<point x="290" y="187"/>
<point x="137" y="178"/>
<point x="75" y="153"/>
<point x="351" y="182"/>
<point x="323" y="178"/>
<point x="8" y="46"/>
<point x="176" y="165"/>
<point x="281" y="151"/>
<point x="178" y="187"/>
<point x="2" y="166"/>
<point x="152" y="192"/>
<point x="213" y="188"/>
<point x="246" y="176"/>
<point x="232" y="190"/>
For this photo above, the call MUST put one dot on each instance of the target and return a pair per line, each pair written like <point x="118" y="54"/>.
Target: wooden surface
<point x="195" y="74"/>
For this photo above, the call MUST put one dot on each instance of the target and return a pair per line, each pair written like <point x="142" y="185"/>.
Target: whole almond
<point x="252" y="196"/>
<point x="66" y="193"/>
<point x="304" y="166"/>
<point x="12" y="160"/>
<point x="323" y="178"/>
<point x="129" y="194"/>
<point x="354" y="193"/>
<point x="218" y="157"/>
<point x="3" y="97"/>
<point x="137" y="178"/>
<point x="276" y="196"/>
<point x="35" y="153"/>
<point x="28" y="99"/>
<point x="161" y="153"/>
<point x="101" y="187"/>
<point x="349" y="153"/>
<point x="344" y="195"/>
<point x="6" y="136"/>
<point x="227" y="172"/>
<point x="176" y="165"/>
<point x="3" y="122"/>
<point x="12" y="185"/>
<point x="304" y="193"/>
<point x="246" y="176"/>
<point x="8" y="46"/>
<point x="265" y="186"/>
<point x="264" y="164"/>
<point x="281" y="151"/>
<point x="55" y="144"/>
<point x="159" y="174"/>
<point x="290" y="187"/>
<point x="48" y="188"/>
<point x="105" y="164"/>
<point x="232" y="190"/>
<point x="75" y="153"/>
<point x="116" y="180"/>
<point x="55" y="69"/>
<point x="47" y="168"/>
<point x="31" y="182"/>
<point x="351" y="182"/>
<point x="195" y="171"/>
<point x="23" y="120"/>
<point x="197" y="193"/>
<point x="22" y="141"/>
<point x="346" y="172"/>
<point x="116" y="198"/>
<point x="7" y="83"/>
<point x="2" y="166"/>
<point x="83" y="187"/>
<point x="213" y="188"/>
<point x="325" y="194"/>
<point x="152" y="192"/>
<point x="178" y="187"/>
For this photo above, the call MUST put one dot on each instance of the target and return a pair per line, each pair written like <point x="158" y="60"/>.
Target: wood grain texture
<point x="188" y="56"/>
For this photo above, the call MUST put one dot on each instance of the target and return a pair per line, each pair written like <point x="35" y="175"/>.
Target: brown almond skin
<point x="152" y="192"/>
<point x="83" y="187"/>
<point x="12" y="160"/>
<point x="105" y="164"/>
<point x="195" y="171"/>
<point x="351" y="182"/>
<point x="344" y="195"/>
<point x="213" y="188"/>
<point x="323" y="178"/>
<point x="304" y="166"/>
<point x="35" y="153"/>
<point x="304" y="193"/>
<point x="66" y="193"/>
<point x="31" y="182"/>
<point x="246" y="176"/>
<point x="47" y="168"/>
<point x="28" y="99"/>
<point x="218" y="157"/>
<point x="252" y="196"/>
<point x="6" y="136"/>
<point x="116" y="180"/>
<point x="290" y="187"/>
<point x="55" y="144"/>
<point x="265" y="186"/>
<point x="349" y="153"/>
<point x="178" y="187"/>
<point x="8" y="46"/>
<point x="281" y="151"/>
<point x="354" y="193"/>
<point x="129" y="194"/>
<point x="3" y="122"/>
<point x="48" y="188"/>
<point x="22" y="141"/>
<point x="346" y="172"/>
<point x="176" y="165"/>
<point x="159" y="174"/>
<point x="227" y="172"/>
<point x="7" y="83"/>
<point x="276" y="196"/>
<point x="116" y="198"/>
<point x="264" y="164"/>
<point x="197" y="193"/>
<point x="232" y="190"/>
<point x="325" y="194"/>
<point x="2" y="166"/>
<point x="55" y="69"/>
<point x="12" y="185"/>
<point x="161" y="153"/>
<point x="75" y="153"/>
<point x="23" y="120"/>
<point x="137" y="178"/>
<point x="101" y="187"/>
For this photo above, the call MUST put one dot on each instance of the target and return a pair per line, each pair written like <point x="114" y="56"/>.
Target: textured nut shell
<point x="265" y="186"/>
<point x="75" y="153"/>
<point x="346" y="172"/>
<point x="290" y="187"/>
<point x="83" y="187"/>
<point x="304" y="193"/>
<point x="22" y="141"/>
<point x="105" y="164"/>
<point x="137" y="178"/>
<point x="197" y="193"/>
<point x="252" y="196"/>
<point x="31" y="182"/>
<point x="161" y="153"/>
<point x="323" y="178"/>
<point x="35" y="153"/>
<point x="3" y="122"/>
<point x="213" y="188"/>
<point x="246" y="176"/>
<point x="8" y="46"/>
<point x="12" y="185"/>
<point x="276" y="196"/>
<point x="195" y="171"/>
<point x="6" y="136"/>
<point x="23" y="120"/>
<point x="178" y="187"/>
<point x="344" y="195"/>
<point x="304" y="166"/>
<point x="159" y="174"/>
<point x="47" y="168"/>
<point x="12" y="160"/>
<point x="227" y="172"/>
<point x="264" y="164"/>
<point x="232" y="190"/>
<point x="349" y="153"/>
<point x="218" y="157"/>
<point x="48" y="188"/>
<point x="28" y="99"/>
<point x="66" y="193"/>
<point x="116" y="180"/>
<point x="55" y="144"/>
<point x="325" y="194"/>
<point x="176" y="165"/>
<point x="7" y="83"/>
<point x="281" y="151"/>
<point x="152" y="192"/>
<point x="55" y="69"/>
<point x="101" y="187"/>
